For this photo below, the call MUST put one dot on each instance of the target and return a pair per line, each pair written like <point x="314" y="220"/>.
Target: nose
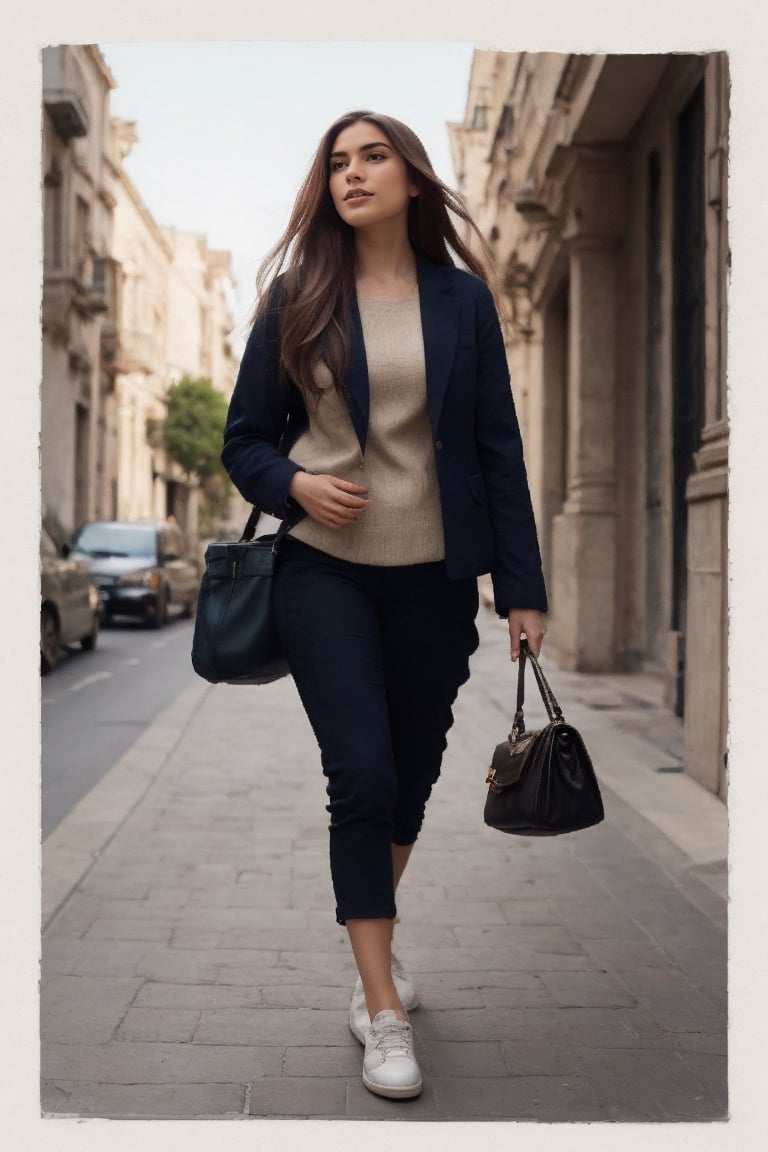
<point x="353" y="171"/>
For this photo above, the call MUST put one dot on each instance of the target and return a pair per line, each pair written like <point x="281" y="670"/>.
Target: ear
<point x="413" y="191"/>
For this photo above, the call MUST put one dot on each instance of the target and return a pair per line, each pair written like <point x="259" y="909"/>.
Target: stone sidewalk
<point x="192" y="967"/>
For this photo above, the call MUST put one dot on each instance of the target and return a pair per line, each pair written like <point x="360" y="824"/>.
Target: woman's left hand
<point x="527" y="622"/>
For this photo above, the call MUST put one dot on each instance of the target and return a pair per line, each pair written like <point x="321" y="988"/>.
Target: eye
<point x="336" y="165"/>
<point x="376" y="156"/>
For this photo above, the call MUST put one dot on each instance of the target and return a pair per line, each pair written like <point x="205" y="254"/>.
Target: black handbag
<point x="234" y="640"/>
<point x="541" y="783"/>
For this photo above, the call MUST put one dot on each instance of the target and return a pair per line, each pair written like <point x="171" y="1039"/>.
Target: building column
<point x="124" y="449"/>
<point x="706" y="636"/>
<point x="584" y="534"/>
<point x="706" y="633"/>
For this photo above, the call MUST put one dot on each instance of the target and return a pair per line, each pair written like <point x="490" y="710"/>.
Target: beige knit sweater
<point x="403" y="525"/>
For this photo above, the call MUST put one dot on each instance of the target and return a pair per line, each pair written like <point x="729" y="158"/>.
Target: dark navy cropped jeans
<point x="378" y="655"/>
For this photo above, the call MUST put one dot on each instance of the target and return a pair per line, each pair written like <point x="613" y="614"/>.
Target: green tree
<point x="193" y="430"/>
<point x="193" y="433"/>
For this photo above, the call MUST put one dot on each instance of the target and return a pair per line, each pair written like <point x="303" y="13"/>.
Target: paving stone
<point x="148" y="909"/>
<point x="170" y="898"/>
<point x="711" y="1071"/>
<point x="164" y="1025"/>
<point x="409" y="934"/>
<point x="600" y="1025"/>
<point x="76" y="918"/>
<point x="518" y="958"/>
<point x="671" y="1000"/>
<point x="624" y="955"/>
<point x="524" y="981"/>
<point x="123" y="1062"/>
<point x="98" y="883"/>
<point x="455" y="913"/>
<point x="109" y="929"/>
<point x="310" y="1097"/>
<point x="652" y="1082"/>
<point x="590" y="920"/>
<point x="537" y="997"/>
<point x="195" y="938"/>
<point x="343" y="967"/>
<point x="143" y="1101"/>
<point x="530" y="1055"/>
<point x="283" y="1026"/>
<point x="61" y="957"/>
<point x="551" y="939"/>
<point x="109" y="957"/>
<point x="290" y="975"/>
<point x="305" y="996"/>
<point x="554" y="1098"/>
<point x="707" y="1043"/>
<point x="529" y="912"/>
<point x="197" y="996"/>
<point x="75" y="1010"/>
<point x="644" y="1026"/>
<point x="434" y="997"/>
<point x="274" y="939"/>
<point x="177" y="967"/>
<point x="323" y="1060"/>
<point x="236" y="898"/>
<point x="586" y="989"/>
<point x="457" y="1058"/>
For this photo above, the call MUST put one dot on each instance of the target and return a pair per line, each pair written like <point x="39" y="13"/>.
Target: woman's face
<point x="368" y="179"/>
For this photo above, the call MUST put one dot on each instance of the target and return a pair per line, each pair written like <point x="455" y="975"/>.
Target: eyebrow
<point x="363" y="148"/>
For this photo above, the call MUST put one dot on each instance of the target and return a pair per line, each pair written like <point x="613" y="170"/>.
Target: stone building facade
<point x="79" y="201"/>
<point x="601" y="184"/>
<point x="173" y="317"/>
<point x="129" y="308"/>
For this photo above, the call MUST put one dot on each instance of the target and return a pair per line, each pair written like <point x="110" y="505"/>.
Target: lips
<point x="357" y="194"/>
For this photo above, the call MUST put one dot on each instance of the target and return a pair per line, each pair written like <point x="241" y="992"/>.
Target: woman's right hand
<point x="331" y="501"/>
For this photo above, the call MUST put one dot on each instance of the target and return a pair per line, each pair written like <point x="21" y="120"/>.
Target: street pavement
<point x="192" y="966"/>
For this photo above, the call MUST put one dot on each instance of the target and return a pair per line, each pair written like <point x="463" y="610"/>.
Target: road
<point x="96" y="704"/>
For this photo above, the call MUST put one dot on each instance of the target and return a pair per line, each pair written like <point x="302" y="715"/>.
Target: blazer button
<point x="438" y="445"/>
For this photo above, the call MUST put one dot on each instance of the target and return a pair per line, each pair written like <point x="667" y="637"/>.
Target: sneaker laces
<point x="394" y="1038"/>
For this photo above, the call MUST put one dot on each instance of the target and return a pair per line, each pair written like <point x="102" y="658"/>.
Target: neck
<point x="384" y="258"/>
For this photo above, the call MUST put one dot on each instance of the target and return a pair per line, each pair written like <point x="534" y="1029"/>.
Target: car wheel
<point x="49" y="640"/>
<point x="159" y="616"/>
<point x="88" y="643"/>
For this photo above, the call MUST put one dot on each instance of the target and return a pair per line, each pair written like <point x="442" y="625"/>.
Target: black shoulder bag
<point x="541" y="783"/>
<point x="234" y="639"/>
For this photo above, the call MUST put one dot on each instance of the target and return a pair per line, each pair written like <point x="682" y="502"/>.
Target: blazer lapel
<point x="356" y="378"/>
<point x="440" y="312"/>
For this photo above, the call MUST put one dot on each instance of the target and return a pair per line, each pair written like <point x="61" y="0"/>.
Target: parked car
<point x="141" y="568"/>
<point x="70" y="607"/>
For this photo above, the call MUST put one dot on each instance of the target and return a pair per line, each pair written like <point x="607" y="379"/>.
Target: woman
<point x="373" y="411"/>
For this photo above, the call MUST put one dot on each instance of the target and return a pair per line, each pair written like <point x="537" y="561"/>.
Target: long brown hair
<point x="320" y="248"/>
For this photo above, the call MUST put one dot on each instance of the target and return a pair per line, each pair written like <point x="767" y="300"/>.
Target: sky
<point x="227" y="130"/>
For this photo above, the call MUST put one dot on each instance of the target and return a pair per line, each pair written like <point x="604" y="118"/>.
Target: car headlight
<point x="144" y="576"/>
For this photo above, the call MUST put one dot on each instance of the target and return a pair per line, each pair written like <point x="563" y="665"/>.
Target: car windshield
<point x="116" y="540"/>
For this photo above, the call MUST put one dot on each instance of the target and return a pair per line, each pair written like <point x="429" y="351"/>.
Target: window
<point x="53" y="215"/>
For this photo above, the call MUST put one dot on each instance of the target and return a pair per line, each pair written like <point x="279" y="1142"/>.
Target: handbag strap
<point x="250" y="526"/>
<point x="253" y="519"/>
<point x="554" y="711"/>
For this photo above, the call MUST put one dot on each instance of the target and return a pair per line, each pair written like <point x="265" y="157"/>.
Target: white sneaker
<point x="389" y="1065"/>
<point x="359" y="1020"/>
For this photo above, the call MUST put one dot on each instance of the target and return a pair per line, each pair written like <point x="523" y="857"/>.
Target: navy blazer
<point x="486" y="506"/>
